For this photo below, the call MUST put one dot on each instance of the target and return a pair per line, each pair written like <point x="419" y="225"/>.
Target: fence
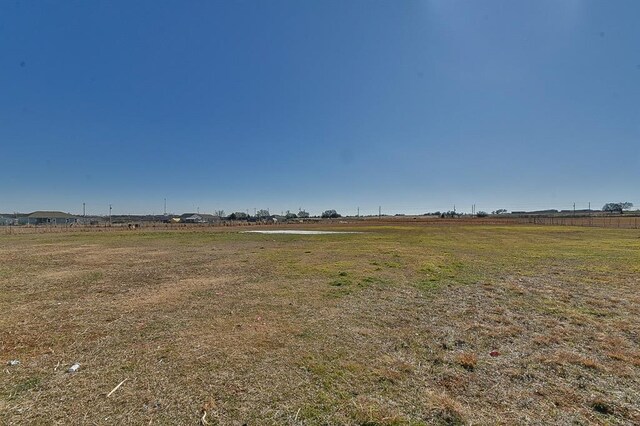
<point x="623" y="222"/>
<point x="144" y="226"/>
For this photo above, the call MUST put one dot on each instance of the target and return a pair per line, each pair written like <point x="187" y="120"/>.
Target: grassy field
<point x="396" y="325"/>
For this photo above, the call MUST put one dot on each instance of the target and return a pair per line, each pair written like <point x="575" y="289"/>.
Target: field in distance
<point x="396" y="324"/>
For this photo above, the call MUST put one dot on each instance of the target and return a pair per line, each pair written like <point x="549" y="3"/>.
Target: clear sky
<point x="411" y="105"/>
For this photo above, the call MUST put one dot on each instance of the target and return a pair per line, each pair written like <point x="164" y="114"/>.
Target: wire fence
<point x="623" y="222"/>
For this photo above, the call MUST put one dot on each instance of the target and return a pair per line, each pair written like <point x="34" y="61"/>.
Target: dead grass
<point x="391" y="327"/>
<point x="467" y="361"/>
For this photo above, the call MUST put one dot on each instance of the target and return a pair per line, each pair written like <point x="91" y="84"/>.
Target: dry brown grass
<point x="394" y="326"/>
<point x="468" y="361"/>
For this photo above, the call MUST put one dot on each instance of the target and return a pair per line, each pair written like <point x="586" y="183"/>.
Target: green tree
<point x="330" y="214"/>
<point x="238" y="216"/>
<point x="617" y="207"/>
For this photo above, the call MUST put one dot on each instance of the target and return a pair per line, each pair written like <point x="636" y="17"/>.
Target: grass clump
<point x="603" y="407"/>
<point x="27" y="385"/>
<point x="467" y="360"/>
<point x="92" y="277"/>
<point x="340" y="282"/>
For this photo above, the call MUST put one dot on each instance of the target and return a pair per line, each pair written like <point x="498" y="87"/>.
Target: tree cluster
<point x="238" y="216"/>
<point x="450" y="213"/>
<point x="617" y="207"/>
<point x="261" y="215"/>
<point x="330" y="214"/>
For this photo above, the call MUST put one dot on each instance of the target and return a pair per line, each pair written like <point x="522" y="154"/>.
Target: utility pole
<point x="83" y="210"/>
<point x="165" y="206"/>
<point x="358" y="215"/>
<point x="109" y="214"/>
<point x="574" y="209"/>
<point x="379" y="212"/>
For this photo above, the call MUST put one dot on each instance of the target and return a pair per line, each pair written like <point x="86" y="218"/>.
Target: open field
<point x="395" y="325"/>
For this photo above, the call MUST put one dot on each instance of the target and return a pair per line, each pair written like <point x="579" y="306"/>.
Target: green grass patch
<point x="27" y="385"/>
<point x="92" y="277"/>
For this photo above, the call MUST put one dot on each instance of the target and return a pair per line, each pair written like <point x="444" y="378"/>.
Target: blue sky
<point x="414" y="106"/>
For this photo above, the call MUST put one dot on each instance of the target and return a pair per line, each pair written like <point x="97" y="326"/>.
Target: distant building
<point x="551" y="211"/>
<point x="6" y="219"/>
<point x="198" y="218"/>
<point x="49" y="218"/>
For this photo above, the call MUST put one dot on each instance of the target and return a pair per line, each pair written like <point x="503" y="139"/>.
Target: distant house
<point x="551" y="211"/>
<point x="198" y="218"/>
<point x="49" y="218"/>
<point x="7" y="219"/>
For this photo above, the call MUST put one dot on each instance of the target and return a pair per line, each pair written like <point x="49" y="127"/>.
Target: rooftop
<point x="49" y="215"/>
